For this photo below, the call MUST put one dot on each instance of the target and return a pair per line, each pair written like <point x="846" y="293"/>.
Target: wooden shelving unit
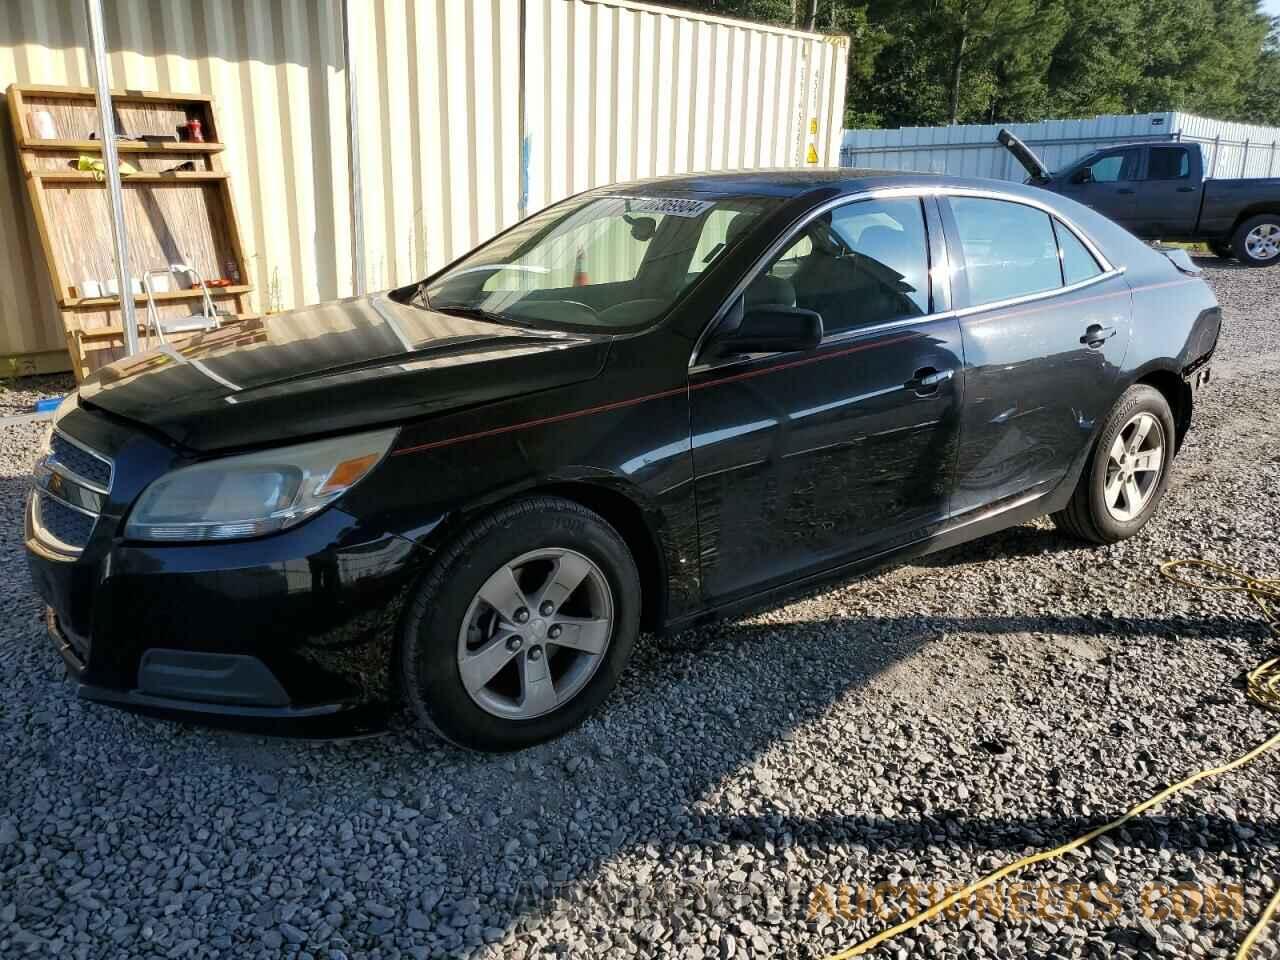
<point x="172" y="215"/>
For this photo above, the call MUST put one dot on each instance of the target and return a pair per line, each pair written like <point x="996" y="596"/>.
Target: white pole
<point x="358" y="284"/>
<point x="111" y="162"/>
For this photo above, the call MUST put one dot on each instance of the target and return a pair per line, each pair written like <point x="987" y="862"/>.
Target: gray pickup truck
<point x="1158" y="191"/>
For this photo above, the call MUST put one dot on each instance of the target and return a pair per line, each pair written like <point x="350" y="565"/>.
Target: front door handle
<point x="1186" y="189"/>
<point x="1124" y="190"/>
<point x="926" y="381"/>
<point x="1095" y="335"/>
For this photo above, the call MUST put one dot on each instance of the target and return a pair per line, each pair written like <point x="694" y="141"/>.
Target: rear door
<point x="804" y="460"/>
<point x="1107" y="183"/>
<point x="1169" y="195"/>
<point x="1045" y="323"/>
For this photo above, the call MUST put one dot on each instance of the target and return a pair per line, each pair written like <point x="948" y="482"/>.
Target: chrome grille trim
<point x="59" y="493"/>
<point x="58" y="465"/>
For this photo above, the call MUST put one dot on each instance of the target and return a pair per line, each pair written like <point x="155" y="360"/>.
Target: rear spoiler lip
<point x="1179" y="257"/>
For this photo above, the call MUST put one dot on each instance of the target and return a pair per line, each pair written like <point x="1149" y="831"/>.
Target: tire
<point x="1221" y="249"/>
<point x="1099" y="510"/>
<point x="1257" y="240"/>
<point x="451" y="630"/>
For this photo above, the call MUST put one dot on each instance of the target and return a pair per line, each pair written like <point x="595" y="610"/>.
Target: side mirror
<point x="770" y="329"/>
<point x="1083" y="175"/>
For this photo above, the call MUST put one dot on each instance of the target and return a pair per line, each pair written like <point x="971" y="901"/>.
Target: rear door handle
<point x="1186" y="189"/>
<point x="927" y="380"/>
<point x="1124" y="190"/>
<point x="1095" y="335"/>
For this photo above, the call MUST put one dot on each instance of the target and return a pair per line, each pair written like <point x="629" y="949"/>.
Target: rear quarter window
<point x="1078" y="264"/>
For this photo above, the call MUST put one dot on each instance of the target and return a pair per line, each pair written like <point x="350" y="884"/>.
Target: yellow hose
<point x="1263" y="688"/>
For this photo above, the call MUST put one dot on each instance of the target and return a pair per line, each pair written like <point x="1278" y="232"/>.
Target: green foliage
<point x="926" y="62"/>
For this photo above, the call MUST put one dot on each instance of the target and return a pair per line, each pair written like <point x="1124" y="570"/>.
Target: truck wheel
<point x="1221" y="249"/>
<point x="1257" y="240"/>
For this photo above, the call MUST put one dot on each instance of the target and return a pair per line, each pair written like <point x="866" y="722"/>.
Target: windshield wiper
<point x="476" y="313"/>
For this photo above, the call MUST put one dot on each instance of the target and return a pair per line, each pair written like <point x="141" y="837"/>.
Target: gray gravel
<point x="920" y="726"/>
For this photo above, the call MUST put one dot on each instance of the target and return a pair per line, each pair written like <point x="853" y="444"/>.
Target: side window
<point x="785" y="267"/>
<point x="1009" y="249"/>
<point x="1078" y="263"/>
<point x="863" y="263"/>
<point x="1110" y="168"/>
<point x="1168" y="163"/>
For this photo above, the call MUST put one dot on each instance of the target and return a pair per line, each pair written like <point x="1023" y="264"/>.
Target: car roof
<point x="783" y="182"/>
<point x="821" y="182"/>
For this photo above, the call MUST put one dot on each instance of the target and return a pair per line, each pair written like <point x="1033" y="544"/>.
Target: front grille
<point x="79" y="462"/>
<point x="61" y="524"/>
<point x="71" y="487"/>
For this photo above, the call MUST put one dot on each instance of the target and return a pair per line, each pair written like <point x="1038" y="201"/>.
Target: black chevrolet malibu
<point x="646" y="406"/>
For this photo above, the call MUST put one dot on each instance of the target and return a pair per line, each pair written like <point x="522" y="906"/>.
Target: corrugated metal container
<point x="472" y="113"/>
<point x="617" y="91"/>
<point x="1230" y="149"/>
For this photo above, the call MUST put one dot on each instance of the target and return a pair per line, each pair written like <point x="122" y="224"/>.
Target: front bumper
<point x="291" y="634"/>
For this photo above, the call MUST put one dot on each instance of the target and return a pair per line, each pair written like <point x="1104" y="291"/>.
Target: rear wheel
<point x="1257" y="240"/>
<point x="522" y="627"/>
<point x="1127" y="472"/>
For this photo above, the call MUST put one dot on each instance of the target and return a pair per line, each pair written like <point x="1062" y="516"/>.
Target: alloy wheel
<point x="1263" y="241"/>
<point x="1135" y="463"/>
<point x="535" y="633"/>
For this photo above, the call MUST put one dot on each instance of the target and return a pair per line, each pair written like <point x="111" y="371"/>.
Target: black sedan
<point x="644" y="407"/>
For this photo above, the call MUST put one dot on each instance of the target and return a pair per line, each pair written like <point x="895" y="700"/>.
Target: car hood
<point x="346" y="365"/>
<point x="1035" y="168"/>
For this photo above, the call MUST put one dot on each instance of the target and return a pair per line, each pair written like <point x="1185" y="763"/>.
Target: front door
<point x="1169" y="202"/>
<point x="809" y="459"/>
<point x="1045" y="328"/>
<point x="1107" y="184"/>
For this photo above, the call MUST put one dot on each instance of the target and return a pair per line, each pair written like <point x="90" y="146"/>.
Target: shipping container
<point x="470" y="115"/>
<point x="971" y="150"/>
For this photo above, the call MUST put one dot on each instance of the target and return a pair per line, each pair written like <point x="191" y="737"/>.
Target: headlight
<point x="256" y="493"/>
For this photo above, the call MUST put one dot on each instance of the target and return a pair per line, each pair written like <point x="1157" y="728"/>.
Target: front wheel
<point x="1127" y="471"/>
<point x="1257" y="240"/>
<point x="522" y="627"/>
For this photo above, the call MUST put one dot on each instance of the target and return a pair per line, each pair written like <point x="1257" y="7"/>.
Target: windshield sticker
<point x="670" y="206"/>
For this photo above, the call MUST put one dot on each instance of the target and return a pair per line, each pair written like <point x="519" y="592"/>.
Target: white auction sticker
<point x="670" y="206"/>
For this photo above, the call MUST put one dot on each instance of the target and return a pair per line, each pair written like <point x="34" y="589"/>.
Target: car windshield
<point x="600" y="262"/>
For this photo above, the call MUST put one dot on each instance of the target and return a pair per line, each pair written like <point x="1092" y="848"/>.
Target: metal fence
<point x="1230" y="149"/>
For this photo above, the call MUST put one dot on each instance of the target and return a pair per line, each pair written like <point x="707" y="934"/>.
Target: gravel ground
<point x="918" y="727"/>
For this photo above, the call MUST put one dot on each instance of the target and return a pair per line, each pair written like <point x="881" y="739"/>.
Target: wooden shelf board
<point x="88" y="93"/>
<point x="126" y="146"/>
<point x="117" y="330"/>
<point x="196" y="294"/>
<point x="178" y="176"/>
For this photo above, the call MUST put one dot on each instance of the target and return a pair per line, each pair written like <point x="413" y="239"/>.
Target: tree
<point x="924" y="62"/>
<point x="1262" y="87"/>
